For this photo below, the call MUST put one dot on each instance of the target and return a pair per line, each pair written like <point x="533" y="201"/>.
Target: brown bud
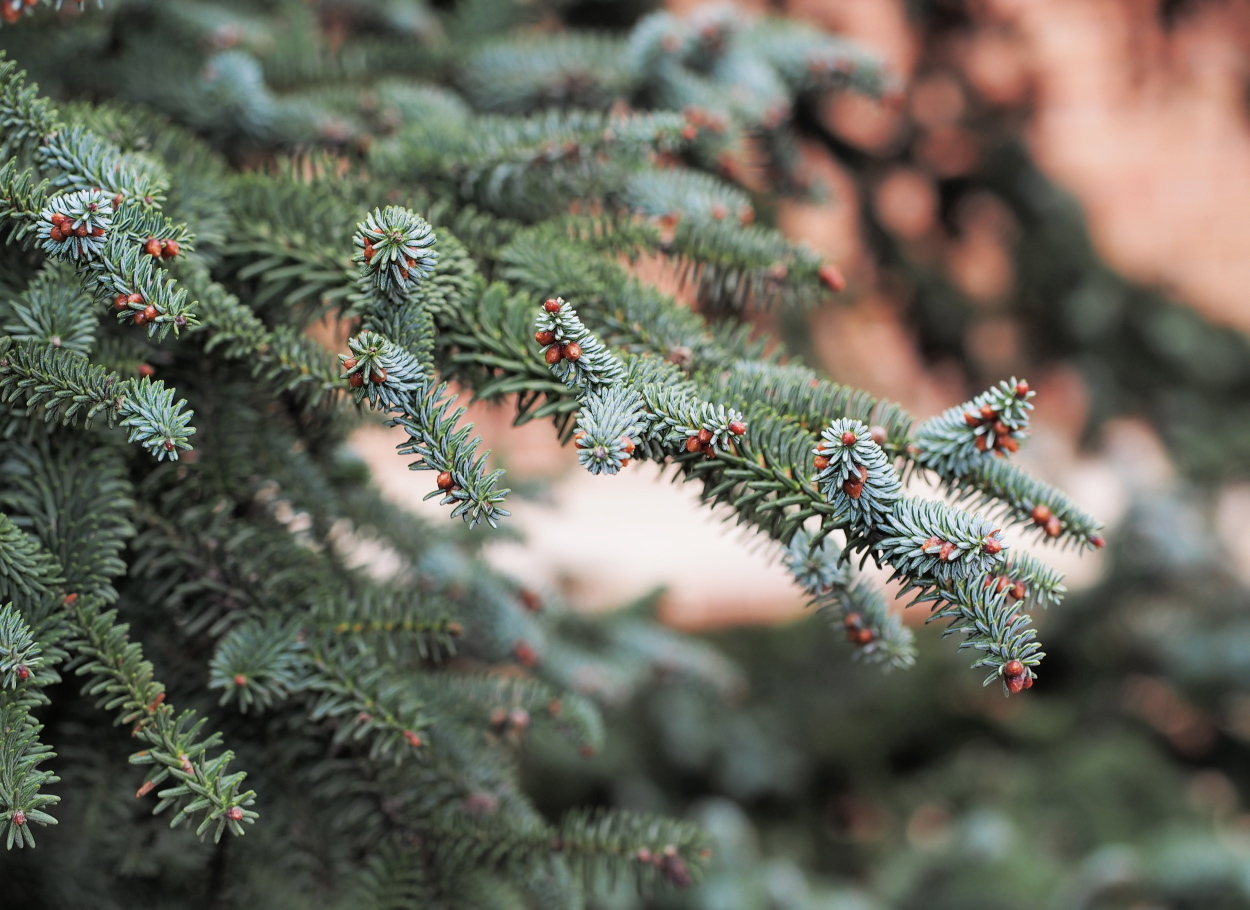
<point x="572" y="351"/>
<point x="992" y="546"/>
<point x="1016" y="684"/>
<point x="737" y="427"/>
<point x="171" y="249"/>
<point x="862" y="636"/>
<point x="121" y="302"/>
<point x="70" y="599"/>
<point x="152" y="247"/>
<point x="524" y="653"/>
<point x="554" y="355"/>
<point x="693" y="444"/>
<point x="1010" y="443"/>
<point x="82" y="230"/>
<point x="141" y="318"/>
<point x="1022" y="389"/>
<point x="544" y="337"/>
<point x="55" y="233"/>
<point x="58" y="218"/>
<point x="820" y="462"/>
<point x="350" y="363"/>
<point x="135" y="298"/>
<point x="577" y="440"/>
<point x="445" y="481"/>
<point x="947" y="551"/>
<point x="705" y="435"/>
<point x="235" y="814"/>
<point x="23" y="672"/>
<point x="849" y="438"/>
<point x="628" y="445"/>
<point x="853" y="621"/>
<point x="988" y="412"/>
<point x="831" y="277"/>
<point x="1054" y="527"/>
<point x="413" y="739"/>
<point x="1018" y="590"/>
<point x="983" y="442"/>
<point x="1041" y="513"/>
<point x="377" y="375"/>
<point x="150" y="312"/>
<point x="1013" y="668"/>
<point x="1097" y="541"/>
<point x="551" y="305"/>
<point x="356" y="380"/>
<point x="240" y="680"/>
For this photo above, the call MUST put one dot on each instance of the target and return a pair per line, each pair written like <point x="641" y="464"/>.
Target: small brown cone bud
<point x="135" y="298"/>
<point x="413" y="739"/>
<point x="853" y="621"/>
<point x="577" y="440"/>
<point x="350" y="363"/>
<point x="572" y="351"/>
<point x="551" y="305"/>
<point x="820" y="462"/>
<point x="849" y="438"/>
<point x="141" y="318"/>
<point x="972" y="419"/>
<point x="1022" y="389"/>
<point x="831" y="277"/>
<point x="554" y="355"/>
<point x="862" y="636"/>
<point x="56" y="234"/>
<point x="377" y="375"/>
<point x="1041" y="513"/>
<point x="23" y="672"/>
<point x="983" y="442"/>
<point x="1019" y="590"/>
<point x="445" y="481"/>
<point x="1097" y="541"/>
<point x="240" y="680"/>
<point x="544" y="337"/>
<point x="121" y="301"/>
<point x="1013" y="668"/>
<point x="1016" y="684"/>
<point x="1001" y="584"/>
<point x="1054" y="527"/>
<point x="58" y="218"/>
<point x="693" y="444"/>
<point x="627" y="445"/>
<point x="1010" y="443"/>
<point x="737" y="427"/>
<point x="97" y="232"/>
<point x="947" y="551"/>
<point x="524" y="653"/>
<point x="356" y="380"/>
<point x="988" y="412"/>
<point x="70" y="599"/>
<point x="153" y="247"/>
<point x="19" y="818"/>
<point x="705" y="435"/>
<point x="992" y="546"/>
<point x="150" y="312"/>
<point x="235" y="814"/>
<point x="930" y="543"/>
<point x="171" y="249"/>
<point x="82" y="230"/>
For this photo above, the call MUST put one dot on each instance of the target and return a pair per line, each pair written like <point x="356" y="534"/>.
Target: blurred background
<point x="1060" y="191"/>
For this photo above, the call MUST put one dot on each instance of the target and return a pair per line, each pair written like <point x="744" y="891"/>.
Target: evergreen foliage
<point x="448" y="210"/>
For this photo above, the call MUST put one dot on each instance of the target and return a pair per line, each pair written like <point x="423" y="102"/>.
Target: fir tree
<point x="465" y="212"/>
